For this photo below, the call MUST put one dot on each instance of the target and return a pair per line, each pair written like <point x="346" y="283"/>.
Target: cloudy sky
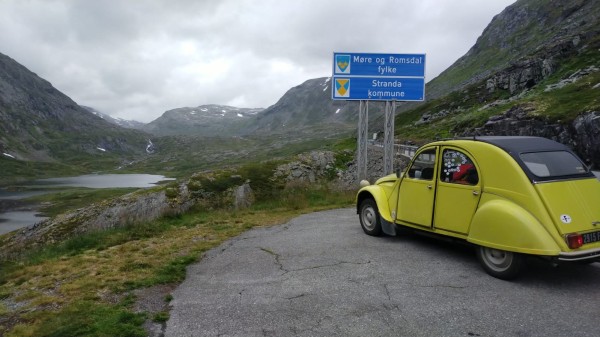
<point x="136" y="59"/>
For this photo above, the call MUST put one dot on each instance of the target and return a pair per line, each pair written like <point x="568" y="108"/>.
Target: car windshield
<point x="553" y="164"/>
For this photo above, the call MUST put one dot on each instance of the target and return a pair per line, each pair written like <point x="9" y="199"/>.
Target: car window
<point x="423" y="165"/>
<point x="553" y="163"/>
<point x="458" y="168"/>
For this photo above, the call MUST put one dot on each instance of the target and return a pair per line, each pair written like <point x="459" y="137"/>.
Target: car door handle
<point x="429" y="186"/>
<point x="475" y="193"/>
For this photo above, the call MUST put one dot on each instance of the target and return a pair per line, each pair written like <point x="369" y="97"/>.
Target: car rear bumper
<point x="588" y="254"/>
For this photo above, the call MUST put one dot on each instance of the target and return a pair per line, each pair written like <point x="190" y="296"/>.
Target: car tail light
<point x="574" y="240"/>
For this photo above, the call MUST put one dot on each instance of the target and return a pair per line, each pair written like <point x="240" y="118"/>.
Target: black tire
<point x="369" y="217"/>
<point x="499" y="263"/>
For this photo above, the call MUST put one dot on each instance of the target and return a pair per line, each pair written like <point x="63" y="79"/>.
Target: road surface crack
<point x="294" y="297"/>
<point x="387" y="292"/>
<point x="277" y="259"/>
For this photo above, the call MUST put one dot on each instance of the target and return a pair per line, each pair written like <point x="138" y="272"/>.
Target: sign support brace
<point x="363" y="129"/>
<point x="388" y="138"/>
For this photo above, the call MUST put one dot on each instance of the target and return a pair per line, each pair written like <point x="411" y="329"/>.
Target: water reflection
<point x="104" y="181"/>
<point x="10" y="221"/>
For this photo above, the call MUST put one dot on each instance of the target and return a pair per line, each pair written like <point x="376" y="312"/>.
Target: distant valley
<point x="534" y="70"/>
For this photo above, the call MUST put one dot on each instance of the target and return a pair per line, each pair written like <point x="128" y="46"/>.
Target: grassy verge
<point x="84" y="286"/>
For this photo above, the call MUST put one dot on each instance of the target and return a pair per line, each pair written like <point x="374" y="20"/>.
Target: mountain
<point x="307" y="110"/>
<point x="523" y="28"/>
<point x="41" y="124"/>
<point x="533" y="71"/>
<point x="304" y="111"/>
<point x="124" y="123"/>
<point x="205" y="120"/>
<point x="305" y="106"/>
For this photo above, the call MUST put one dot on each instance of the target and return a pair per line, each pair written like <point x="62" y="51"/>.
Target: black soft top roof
<point x="522" y="144"/>
<point x="516" y="145"/>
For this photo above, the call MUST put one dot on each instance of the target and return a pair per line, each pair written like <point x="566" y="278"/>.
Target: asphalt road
<point x="319" y="275"/>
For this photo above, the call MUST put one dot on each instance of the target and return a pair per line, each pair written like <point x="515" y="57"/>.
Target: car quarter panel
<point x="500" y="223"/>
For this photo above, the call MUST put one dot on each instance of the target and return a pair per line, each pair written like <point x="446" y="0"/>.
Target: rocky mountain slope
<point x="533" y="71"/>
<point x="39" y="123"/>
<point x="308" y="105"/>
<point x="523" y="28"/>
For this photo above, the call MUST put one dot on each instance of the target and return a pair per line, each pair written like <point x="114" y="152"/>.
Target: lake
<point x="24" y="215"/>
<point x="103" y="181"/>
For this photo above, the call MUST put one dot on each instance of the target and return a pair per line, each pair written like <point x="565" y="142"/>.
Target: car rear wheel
<point x="369" y="217"/>
<point x="499" y="263"/>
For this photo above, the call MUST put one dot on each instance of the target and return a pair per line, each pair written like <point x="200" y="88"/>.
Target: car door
<point x="417" y="189"/>
<point x="458" y="191"/>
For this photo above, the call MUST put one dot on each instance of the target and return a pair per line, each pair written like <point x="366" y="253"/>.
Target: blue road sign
<point x="382" y="77"/>
<point x="384" y="65"/>
<point x="378" y="88"/>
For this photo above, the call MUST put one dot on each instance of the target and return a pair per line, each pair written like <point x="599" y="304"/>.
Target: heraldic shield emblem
<point x="342" y="87"/>
<point x="342" y="64"/>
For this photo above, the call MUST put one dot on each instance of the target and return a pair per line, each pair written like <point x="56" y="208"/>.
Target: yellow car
<point x="509" y="196"/>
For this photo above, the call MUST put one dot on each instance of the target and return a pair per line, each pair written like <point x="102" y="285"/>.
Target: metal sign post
<point x="363" y="130"/>
<point x="388" y="138"/>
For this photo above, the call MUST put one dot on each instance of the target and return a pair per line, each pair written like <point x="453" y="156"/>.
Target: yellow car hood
<point x="574" y="205"/>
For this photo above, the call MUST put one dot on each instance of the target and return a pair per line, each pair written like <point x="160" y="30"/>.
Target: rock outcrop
<point x="587" y="137"/>
<point x="243" y="196"/>
<point x="582" y="135"/>
<point x="308" y="168"/>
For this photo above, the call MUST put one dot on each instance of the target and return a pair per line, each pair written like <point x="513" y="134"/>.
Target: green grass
<point x="567" y="103"/>
<point x="85" y="318"/>
<point x="180" y="157"/>
<point x="161" y="317"/>
<point x="65" y="289"/>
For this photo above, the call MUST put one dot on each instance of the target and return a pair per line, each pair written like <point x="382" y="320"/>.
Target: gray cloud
<point x="137" y="59"/>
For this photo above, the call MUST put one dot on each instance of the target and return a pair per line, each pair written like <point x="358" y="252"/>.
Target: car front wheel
<point x="499" y="263"/>
<point x="369" y="217"/>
